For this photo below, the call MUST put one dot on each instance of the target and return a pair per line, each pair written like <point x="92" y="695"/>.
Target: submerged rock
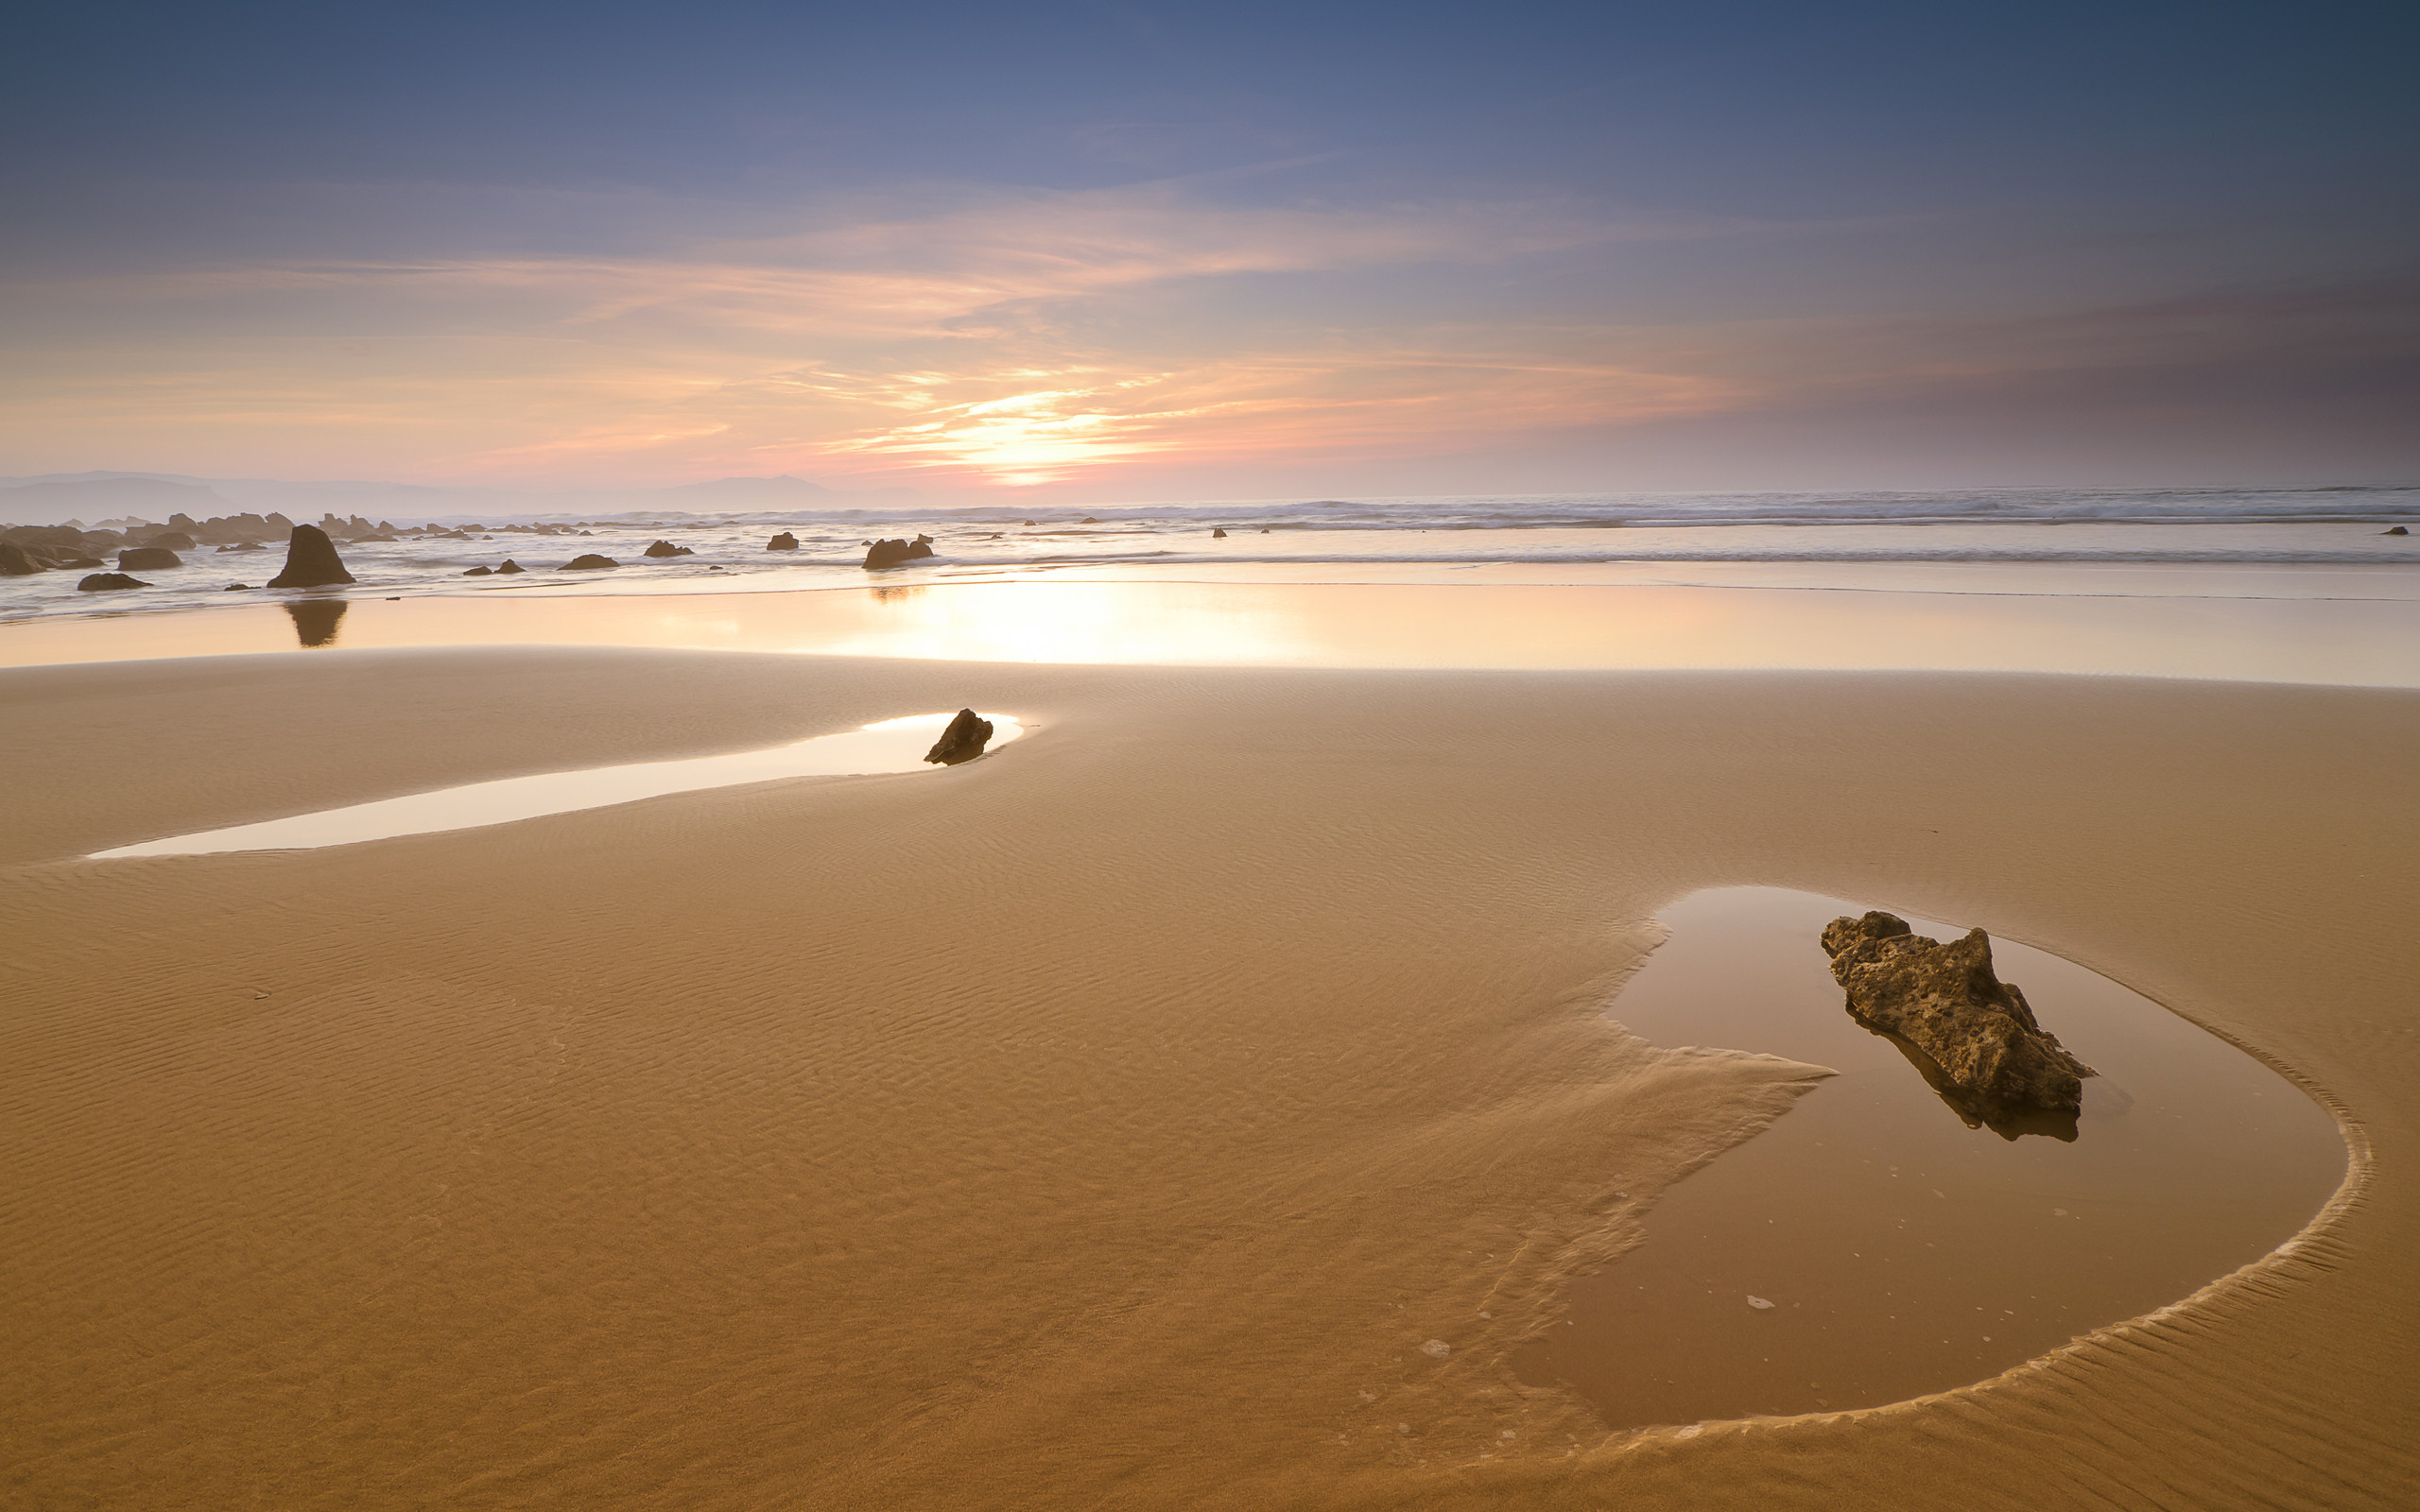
<point x="665" y="548"/>
<point x="894" y="552"/>
<point x="311" y="561"/>
<point x="147" y="560"/>
<point x="1944" y="1001"/>
<point x="587" y="562"/>
<point x="508" y="567"/>
<point x="785" y="542"/>
<point x="104" y="582"/>
<point x="962" y="741"/>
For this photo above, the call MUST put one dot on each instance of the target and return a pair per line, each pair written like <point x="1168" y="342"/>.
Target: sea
<point x="2310" y="542"/>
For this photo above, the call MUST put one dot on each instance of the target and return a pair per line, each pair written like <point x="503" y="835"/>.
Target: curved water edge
<point x="886" y="746"/>
<point x="1870" y="1248"/>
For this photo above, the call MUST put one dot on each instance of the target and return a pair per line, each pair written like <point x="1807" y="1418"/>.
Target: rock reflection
<point x="316" y="620"/>
<point x="2008" y="1122"/>
<point x="895" y="595"/>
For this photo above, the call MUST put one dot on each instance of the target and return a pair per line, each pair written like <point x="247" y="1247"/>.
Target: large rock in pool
<point x="146" y="559"/>
<point x="311" y="561"/>
<point x="665" y="548"/>
<point x="587" y="563"/>
<point x="15" y="563"/>
<point x="104" y="582"/>
<point x="896" y="553"/>
<point x="785" y="542"/>
<point x="962" y="741"/>
<point x="1944" y="1001"/>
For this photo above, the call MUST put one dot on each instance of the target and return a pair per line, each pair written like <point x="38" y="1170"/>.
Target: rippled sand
<point x="1113" y="1122"/>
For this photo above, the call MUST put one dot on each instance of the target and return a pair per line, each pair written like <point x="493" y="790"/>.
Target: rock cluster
<point x="896" y="553"/>
<point x="1944" y="1001"/>
<point x="962" y="741"/>
<point x="311" y="561"/>
<point x="665" y="548"/>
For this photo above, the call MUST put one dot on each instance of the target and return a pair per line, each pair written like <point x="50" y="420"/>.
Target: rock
<point x="962" y="741"/>
<point x="1028" y="522"/>
<point x="2397" y="530"/>
<point x="15" y="563"/>
<point x="172" y="540"/>
<point x="478" y="571"/>
<point x="508" y="567"/>
<point x="894" y="552"/>
<point x="1944" y="1001"/>
<point x="1088" y="520"/>
<point x="104" y="582"/>
<point x="1264" y="530"/>
<point x="1218" y="534"/>
<point x="311" y="561"/>
<point x="588" y="561"/>
<point x="785" y="542"/>
<point x="238" y="588"/>
<point x="147" y="560"/>
<point x="665" y="548"/>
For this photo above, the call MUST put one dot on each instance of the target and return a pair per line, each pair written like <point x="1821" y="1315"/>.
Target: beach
<point x="1196" y="1103"/>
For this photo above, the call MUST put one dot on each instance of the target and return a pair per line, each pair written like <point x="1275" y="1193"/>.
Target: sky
<point x="1139" y="250"/>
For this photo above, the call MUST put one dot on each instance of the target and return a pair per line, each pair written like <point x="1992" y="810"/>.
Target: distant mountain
<point x="54" y="501"/>
<point x="91" y="497"/>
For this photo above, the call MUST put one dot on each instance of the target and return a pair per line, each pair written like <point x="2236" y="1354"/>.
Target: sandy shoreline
<point x="1107" y="1124"/>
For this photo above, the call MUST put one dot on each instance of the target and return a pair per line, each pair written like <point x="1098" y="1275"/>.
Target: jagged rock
<point x="2397" y="530"/>
<point x="962" y="741"/>
<point x="478" y="571"/>
<point x="1218" y="534"/>
<point x="172" y="540"/>
<point x="894" y="552"/>
<point x="508" y="567"/>
<point x="587" y="562"/>
<point x="15" y="563"/>
<point x="104" y="582"/>
<point x="311" y="561"/>
<point x="785" y="542"/>
<point x="665" y="548"/>
<point x="147" y="560"/>
<point x="1944" y="1001"/>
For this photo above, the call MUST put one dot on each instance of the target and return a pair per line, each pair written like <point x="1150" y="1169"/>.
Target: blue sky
<point x="1113" y="250"/>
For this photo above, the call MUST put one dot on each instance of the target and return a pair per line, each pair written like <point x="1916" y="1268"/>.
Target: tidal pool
<point x="1899" y="1250"/>
<point x="889" y="746"/>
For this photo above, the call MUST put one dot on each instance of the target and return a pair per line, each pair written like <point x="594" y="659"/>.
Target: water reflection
<point x="896" y="595"/>
<point x="2008" y="1122"/>
<point x="316" y="619"/>
<point x="888" y="746"/>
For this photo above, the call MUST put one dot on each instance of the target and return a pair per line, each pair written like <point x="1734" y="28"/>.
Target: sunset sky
<point x="1147" y="251"/>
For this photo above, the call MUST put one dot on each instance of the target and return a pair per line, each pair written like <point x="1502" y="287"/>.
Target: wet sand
<point x="1113" y="1122"/>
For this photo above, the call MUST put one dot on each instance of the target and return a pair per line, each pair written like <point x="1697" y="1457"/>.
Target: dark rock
<point x="147" y="560"/>
<point x="103" y="582"/>
<point x="1218" y="534"/>
<point x="894" y="552"/>
<point x="785" y="542"/>
<point x="1088" y="520"/>
<point x="238" y="588"/>
<point x="172" y="540"/>
<point x="1028" y="522"/>
<point x="2397" y="530"/>
<point x="588" y="561"/>
<point x="962" y="741"/>
<point x="665" y="548"/>
<point x="478" y="571"/>
<point x="311" y="561"/>
<point x="15" y="563"/>
<point x="1264" y="530"/>
<point x="508" y="567"/>
<point x="1943" y="1000"/>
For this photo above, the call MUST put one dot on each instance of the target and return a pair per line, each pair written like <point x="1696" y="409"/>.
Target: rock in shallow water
<point x="311" y="561"/>
<point x="962" y="741"/>
<point x="894" y="552"/>
<point x="785" y="542"/>
<point x="1944" y="1001"/>
<point x="587" y="562"/>
<point x="14" y="562"/>
<point x="508" y="567"/>
<point x="146" y="559"/>
<point x="104" y="582"/>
